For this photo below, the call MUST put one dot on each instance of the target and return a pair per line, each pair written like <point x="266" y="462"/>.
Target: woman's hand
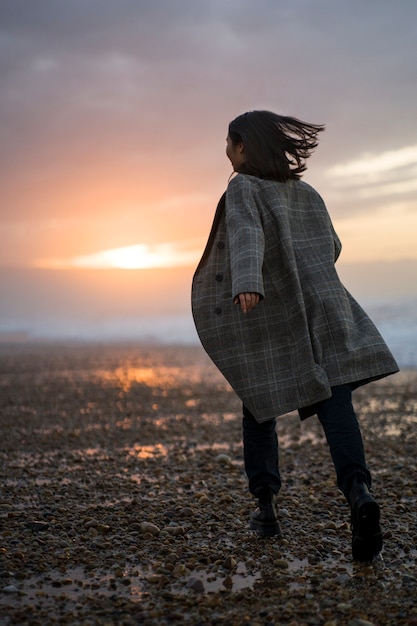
<point x="247" y="301"/>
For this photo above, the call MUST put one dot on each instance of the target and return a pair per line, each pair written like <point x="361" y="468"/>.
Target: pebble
<point x="180" y="570"/>
<point x="223" y="459"/>
<point x="91" y="523"/>
<point x="342" y="579"/>
<point x="154" y="579"/>
<point x="228" y="582"/>
<point x="37" y="526"/>
<point x="196" y="584"/>
<point x="148" y="527"/>
<point x="174" y="530"/>
<point x="186" y="511"/>
<point x="229" y="563"/>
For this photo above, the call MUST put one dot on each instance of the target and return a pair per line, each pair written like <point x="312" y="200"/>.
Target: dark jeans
<point x="340" y="425"/>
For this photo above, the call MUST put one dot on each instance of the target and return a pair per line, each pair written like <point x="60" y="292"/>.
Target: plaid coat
<point x="307" y="333"/>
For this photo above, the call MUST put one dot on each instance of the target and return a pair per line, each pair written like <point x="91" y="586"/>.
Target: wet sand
<point x="123" y="498"/>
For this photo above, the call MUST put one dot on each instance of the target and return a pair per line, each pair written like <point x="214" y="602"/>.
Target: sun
<point x="134" y="257"/>
<point x="138" y="256"/>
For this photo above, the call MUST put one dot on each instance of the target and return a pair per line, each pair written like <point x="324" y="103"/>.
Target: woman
<point x="273" y="316"/>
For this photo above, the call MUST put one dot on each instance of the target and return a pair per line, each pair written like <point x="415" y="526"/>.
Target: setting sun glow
<point x="139" y="256"/>
<point x="127" y="257"/>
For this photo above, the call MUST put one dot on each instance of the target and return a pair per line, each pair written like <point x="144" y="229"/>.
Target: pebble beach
<point x="123" y="498"/>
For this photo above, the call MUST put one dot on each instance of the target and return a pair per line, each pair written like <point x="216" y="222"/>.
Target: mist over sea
<point x="155" y="307"/>
<point x="396" y="321"/>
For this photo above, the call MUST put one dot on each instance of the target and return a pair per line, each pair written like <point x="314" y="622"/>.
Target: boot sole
<point x="264" y="529"/>
<point x="367" y="536"/>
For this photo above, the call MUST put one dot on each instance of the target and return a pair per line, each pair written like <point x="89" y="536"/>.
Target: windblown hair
<point x="276" y="147"/>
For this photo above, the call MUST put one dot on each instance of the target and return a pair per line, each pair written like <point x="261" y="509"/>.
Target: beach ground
<point x="124" y="501"/>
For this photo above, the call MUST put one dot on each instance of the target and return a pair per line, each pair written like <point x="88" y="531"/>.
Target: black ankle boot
<point x="366" y="531"/>
<point x="265" y="519"/>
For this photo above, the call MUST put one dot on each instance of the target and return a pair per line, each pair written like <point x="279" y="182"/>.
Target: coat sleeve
<point x="245" y="236"/>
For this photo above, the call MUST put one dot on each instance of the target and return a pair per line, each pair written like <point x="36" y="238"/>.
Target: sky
<point x="113" y="119"/>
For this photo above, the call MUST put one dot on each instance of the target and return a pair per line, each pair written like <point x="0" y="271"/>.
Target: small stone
<point x="196" y="584"/>
<point x="186" y="511"/>
<point x="226" y="498"/>
<point x="284" y="513"/>
<point x="37" y="526"/>
<point x="228" y="582"/>
<point x="179" y="570"/>
<point x="103" y="528"/>
<point x="10" y="589"/>
<point x="229" y="563"/>
<point x="19" y="555"/>
<point x="92" y="523"/>
<point x="175" y="530"/>
<point x="408" y="580"/>
<point x="153" y="579"/>
<point x="148" y="527"/>
<point x="342" y="578"/>
<point x="223" y="459"/>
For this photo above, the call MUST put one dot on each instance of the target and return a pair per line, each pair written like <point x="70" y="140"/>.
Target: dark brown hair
<point x="275" y="146"/>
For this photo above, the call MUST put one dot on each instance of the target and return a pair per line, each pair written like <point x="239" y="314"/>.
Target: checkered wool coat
<point x="307" y="333"/>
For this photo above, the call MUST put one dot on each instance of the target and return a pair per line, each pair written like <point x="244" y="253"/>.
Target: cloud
<point x="371" y="165"/>
<point x="110" y="104"/>
<point x="393" y="172"/>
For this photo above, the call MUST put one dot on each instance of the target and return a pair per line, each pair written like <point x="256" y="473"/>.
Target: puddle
<point x="135" y="583"/>
<point x="76" y="583"/>
<point x="72" y="585"/>
<point x="215" y="582"/>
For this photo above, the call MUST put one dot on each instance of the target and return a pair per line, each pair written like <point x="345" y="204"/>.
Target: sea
<point x="396" y="321"/>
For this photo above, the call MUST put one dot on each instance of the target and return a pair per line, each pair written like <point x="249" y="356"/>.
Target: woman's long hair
<point x="275" y="146"/>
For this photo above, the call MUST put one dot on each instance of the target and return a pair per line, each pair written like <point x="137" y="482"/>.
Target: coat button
<point x="220" y="245"/>
<point x="217" y="310"/>
<point x="219" y="277"/>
